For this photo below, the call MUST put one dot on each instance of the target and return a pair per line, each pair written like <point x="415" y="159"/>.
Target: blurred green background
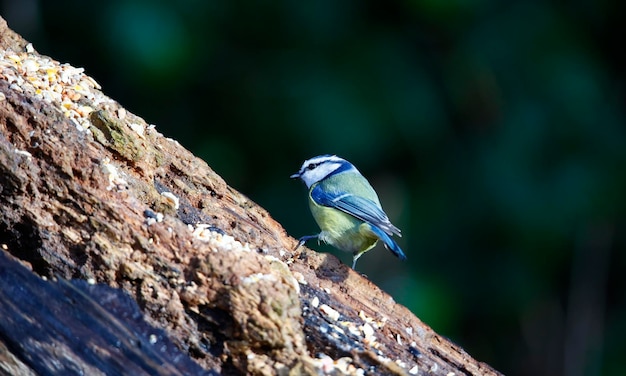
<point x="494" y="133"/>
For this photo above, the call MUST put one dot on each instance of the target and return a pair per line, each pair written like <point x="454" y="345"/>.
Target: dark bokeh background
<point x="494" y="133"/>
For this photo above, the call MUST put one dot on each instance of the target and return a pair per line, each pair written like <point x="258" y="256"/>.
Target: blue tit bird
<point x="345" y="207"/>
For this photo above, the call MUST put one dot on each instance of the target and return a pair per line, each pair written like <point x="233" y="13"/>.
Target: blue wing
<point x="358" y="207"/>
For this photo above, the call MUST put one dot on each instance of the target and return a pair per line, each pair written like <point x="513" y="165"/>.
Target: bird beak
<point x="296" y="175"/>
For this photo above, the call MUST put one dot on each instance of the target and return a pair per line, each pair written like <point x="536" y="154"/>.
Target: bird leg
<point x="305" y="239"/>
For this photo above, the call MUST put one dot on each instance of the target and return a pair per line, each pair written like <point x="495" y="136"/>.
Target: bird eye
<point x="311" y="166"/>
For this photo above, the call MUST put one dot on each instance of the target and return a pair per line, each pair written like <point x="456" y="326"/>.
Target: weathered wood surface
<point x="82" y="186"/>
<point x="41" y="322"/>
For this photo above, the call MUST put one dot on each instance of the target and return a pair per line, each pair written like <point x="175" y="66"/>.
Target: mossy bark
<point x="82" y="204"/>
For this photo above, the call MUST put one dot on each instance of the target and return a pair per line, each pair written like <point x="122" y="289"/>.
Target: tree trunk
<point x="122" y="253"/>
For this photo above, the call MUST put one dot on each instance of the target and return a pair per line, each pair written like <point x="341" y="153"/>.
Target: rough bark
<point x="90" y="192"/>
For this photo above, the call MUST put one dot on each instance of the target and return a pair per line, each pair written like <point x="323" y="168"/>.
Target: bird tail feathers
<point x="389" y="243"/>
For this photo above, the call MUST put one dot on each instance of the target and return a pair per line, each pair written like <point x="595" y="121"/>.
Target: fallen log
<point x="104" y="219"/>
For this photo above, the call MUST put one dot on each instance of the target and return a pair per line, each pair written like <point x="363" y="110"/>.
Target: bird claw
<point x="305" y="239"/>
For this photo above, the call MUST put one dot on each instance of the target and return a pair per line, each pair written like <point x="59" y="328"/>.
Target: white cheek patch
<point x="320" y="172"/>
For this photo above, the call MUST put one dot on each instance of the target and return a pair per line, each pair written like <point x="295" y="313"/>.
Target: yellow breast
<point x="342" y="230"/>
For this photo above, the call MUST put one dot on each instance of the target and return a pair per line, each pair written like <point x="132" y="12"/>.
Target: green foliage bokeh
<point x="494" y="133"/>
